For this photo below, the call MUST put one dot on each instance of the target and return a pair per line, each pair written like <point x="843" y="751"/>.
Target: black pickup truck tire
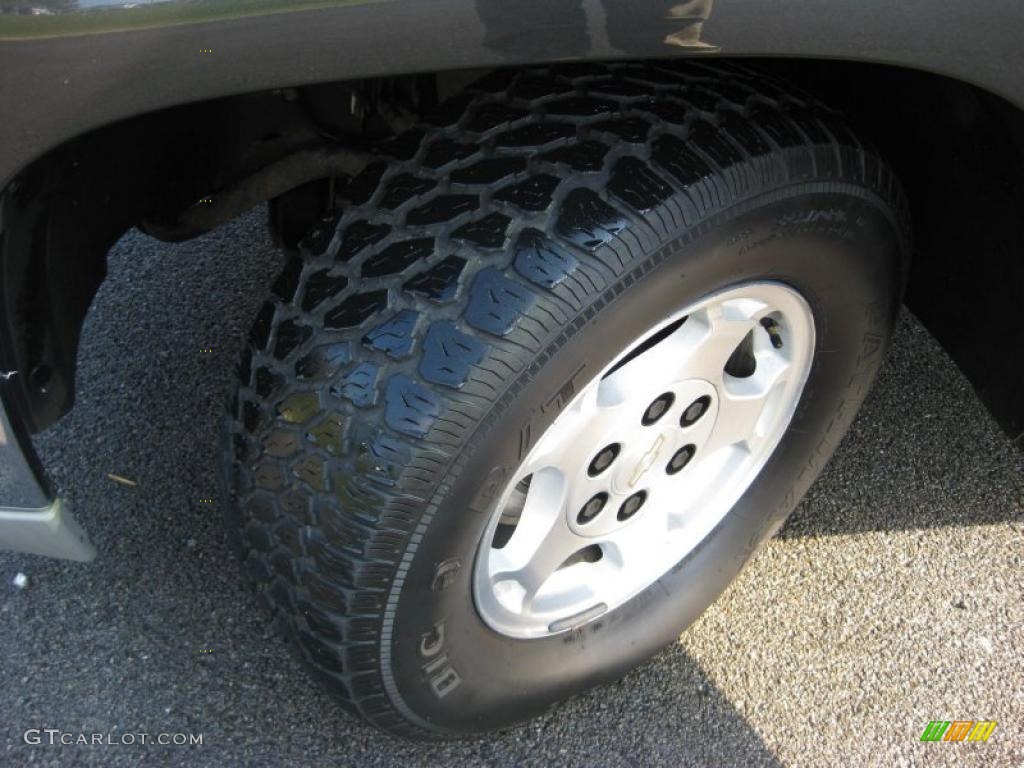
<point x="498" y="254"/>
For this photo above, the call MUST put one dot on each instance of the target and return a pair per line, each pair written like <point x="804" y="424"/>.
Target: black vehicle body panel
<point x="53" y="88"/>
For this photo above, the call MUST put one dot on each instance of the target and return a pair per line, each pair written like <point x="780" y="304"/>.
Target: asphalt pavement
<point x="894" y="596"/>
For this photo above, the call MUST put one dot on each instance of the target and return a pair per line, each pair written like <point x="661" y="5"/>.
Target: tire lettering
<point x="494" y="481"/>
<point x="834" y="216"/>
<point x="438" y="670"/>
<point x="565" y="393"/>
<point x="432" y="641"/>
<point x="444" y="574"/>
<point x="524" y="439"/>
<point x="446" y="682"/>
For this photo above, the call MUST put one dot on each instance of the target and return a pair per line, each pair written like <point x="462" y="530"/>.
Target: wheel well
<point x="958" y="149"/>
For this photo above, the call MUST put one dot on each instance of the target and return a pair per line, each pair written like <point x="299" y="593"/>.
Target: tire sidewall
<point x="443" y="667"/>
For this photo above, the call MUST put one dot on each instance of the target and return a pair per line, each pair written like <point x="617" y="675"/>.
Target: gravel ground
<point x="893" y="597"/>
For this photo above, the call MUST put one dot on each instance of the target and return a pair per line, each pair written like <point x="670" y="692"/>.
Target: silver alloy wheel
<point x="645" y="461"/>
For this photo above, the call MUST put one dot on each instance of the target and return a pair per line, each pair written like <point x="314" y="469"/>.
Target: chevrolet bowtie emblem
<point x="646" y="461"/>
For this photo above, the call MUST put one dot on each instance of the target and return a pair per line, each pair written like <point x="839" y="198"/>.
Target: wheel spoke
<point x="664" y="361"/>
<point x="717" y="331"/>
<point x="743" y="402"/>
<point x="532" y="575"/>
<point x="636" y="543"/>
<point x="542" y="540"/>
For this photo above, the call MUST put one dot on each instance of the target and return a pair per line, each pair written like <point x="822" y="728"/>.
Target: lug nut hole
<point x="631" y="505"/>
<point x="774" y="331"/>
<point x="657" y="409"/>
<point x="680" y="459"/>
<point x="592" y="508"/>
<point x="694" y="411"/>
<point x="604" y="459"/>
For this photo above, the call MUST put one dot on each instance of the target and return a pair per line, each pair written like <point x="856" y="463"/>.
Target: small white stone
<point x="20" y="580"/>
<point x="984" y="643"/>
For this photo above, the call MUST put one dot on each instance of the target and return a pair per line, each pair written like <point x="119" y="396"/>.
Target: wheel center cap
<point x="646" y="461"/>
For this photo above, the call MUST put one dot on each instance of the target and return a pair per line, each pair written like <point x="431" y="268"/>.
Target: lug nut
<point x="632" y="505"/>
<point x="681" y="459"/>
<point x="604" y="459"/>
<point x="657" y="409"/>
<point x="694" y="411"/>
<point x="592" y="508"/>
